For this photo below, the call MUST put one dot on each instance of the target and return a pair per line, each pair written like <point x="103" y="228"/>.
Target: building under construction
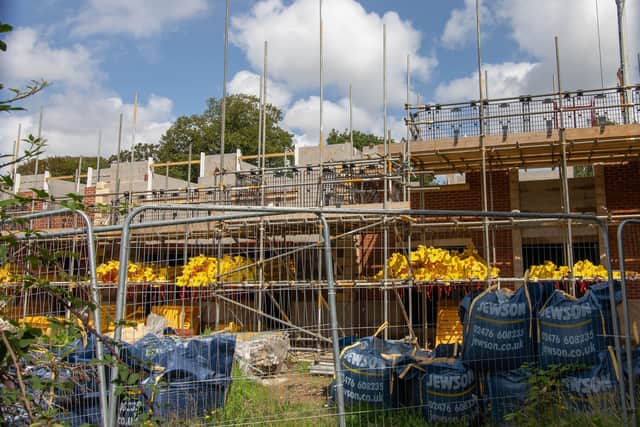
<point x="575" y="152"/>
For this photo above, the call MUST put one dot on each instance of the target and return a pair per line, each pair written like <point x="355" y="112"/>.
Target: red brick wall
<point x="471" y="199"/>
<point x="622" y="188"/>
<point x="468" y="199"/>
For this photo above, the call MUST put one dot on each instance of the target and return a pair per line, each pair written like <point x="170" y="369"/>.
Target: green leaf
<point x="5" y="28"/>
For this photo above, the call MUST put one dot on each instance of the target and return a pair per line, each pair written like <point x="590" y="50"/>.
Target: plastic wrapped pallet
<point x="571" y="330"/>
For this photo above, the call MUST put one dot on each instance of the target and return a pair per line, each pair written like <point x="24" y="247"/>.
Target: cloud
<point x="533" y="26"/>
<point x="302" y="118"/>
<point x="352" y="47"/>
<point x="249" y="83"/>
<point x="30" y="57"/>
<point x="139" y="18"/>
<point x="71" y="121"/>
<point x="77" y="104"/>
<point x="504" y="80"/>
<point x="461" y="25"/>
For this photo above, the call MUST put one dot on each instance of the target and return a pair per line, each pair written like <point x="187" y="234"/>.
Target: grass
<point x="250" y="402"/>
<point x="293" y="404"/>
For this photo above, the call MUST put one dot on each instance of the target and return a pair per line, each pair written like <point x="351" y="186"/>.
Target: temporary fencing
<point x="628" y="253"/>
<point x="284" y="287"/>
<point x="70" y="294"/>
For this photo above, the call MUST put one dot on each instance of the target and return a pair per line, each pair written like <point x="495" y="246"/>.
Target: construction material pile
<point x="204" y="271"/>
<point x="5" y="274"/>
<point x="430" y="264"/>
<point x="584" y="269"/>
<point x="108" y="273"/>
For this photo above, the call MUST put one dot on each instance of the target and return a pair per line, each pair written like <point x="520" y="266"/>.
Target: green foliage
<point x="546" y="403"/>
<point x="61" y="165"/>
<point x="202" y="131"/>
<point x="141" y="151"/>
<point x="360" y="139"/>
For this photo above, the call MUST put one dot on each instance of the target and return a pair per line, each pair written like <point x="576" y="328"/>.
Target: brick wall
<point x="471" y="199"/>
<point x="467" y="199"/>
<point x="622" y="188"/>
<point x="622" y="193"/>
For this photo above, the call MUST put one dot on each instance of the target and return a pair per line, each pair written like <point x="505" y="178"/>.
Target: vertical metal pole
<point x="133" y="144"/>
<point x="407" y="150"/>
<point x="99" y="155"/>
<point x="623" y="54"/>
<point x="261" y="165"/>
<point x="385" y="239"/>
<point x="224" y="95"/>
<point x="350" y="123"/>
<point x="16" y="152"/>
<point x="321" y="138"/>
<point x="563" y="169"/>
<point x="166" y="176"/>
<point x="333" y="319"/>
<point x="627" y="323"/>
<point x="261" y="107"/>
<point x="35" y="170"/>
<point x="118" y="157"/>
<point x="614" y="320"/>
<point x="120" y="310"/>
<point x="95" y="296"/>
<point x="189" y="166"/>
<point x="486" y="84"/>
<point x="78" y="175"/>
<point x="264" y="112"/>
<point x="599" y="45"/>
<point x="483" y="172"/>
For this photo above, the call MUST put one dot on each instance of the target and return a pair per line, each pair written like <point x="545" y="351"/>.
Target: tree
<point x="360" y="139"/>
<point x="61" y="165"/>
<point x="141" y="151"/>
<point x="202" y="131"/>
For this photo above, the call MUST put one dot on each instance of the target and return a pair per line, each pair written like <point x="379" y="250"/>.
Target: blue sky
<point x="98" y="53"/>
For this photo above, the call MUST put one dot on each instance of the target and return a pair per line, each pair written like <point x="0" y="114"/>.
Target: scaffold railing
<point x="526" y="113"/>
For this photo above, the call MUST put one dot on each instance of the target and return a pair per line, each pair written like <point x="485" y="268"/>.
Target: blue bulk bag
<point x="601" y="292"/>
<point x="446" y="391"/>
<point x="594" y="387"/>
<point x="570" y="330"/>
<point x="370" y="370"/>
<point x="447" y="350"/>
<point x="506" y="393"/>
<point x="498" y="332"/>
<point x="539" y="294"/>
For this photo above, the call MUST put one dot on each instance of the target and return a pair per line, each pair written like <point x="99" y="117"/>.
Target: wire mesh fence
<point x="49" y="289"/>
<point x="227" y="315"/>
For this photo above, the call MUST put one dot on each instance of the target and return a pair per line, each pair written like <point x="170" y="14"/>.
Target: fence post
<point x="120" y="302"/>
<point x="627" y="321"/>
<point x="614" y="318"/>
<point x="95" y="296"/>
<point x="333" y="319"/>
